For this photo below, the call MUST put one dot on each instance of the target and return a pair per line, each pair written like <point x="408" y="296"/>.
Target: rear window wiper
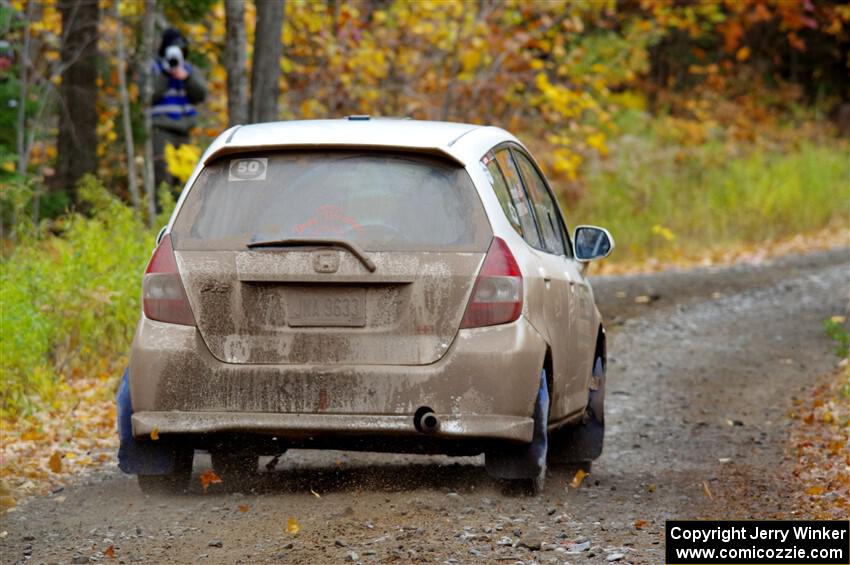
<point x="355" y="249"/>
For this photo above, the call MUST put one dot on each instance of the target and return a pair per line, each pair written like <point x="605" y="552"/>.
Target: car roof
<point x="355" y="131"/>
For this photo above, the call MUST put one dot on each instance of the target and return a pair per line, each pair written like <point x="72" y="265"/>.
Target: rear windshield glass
<point x="381" y="201"/>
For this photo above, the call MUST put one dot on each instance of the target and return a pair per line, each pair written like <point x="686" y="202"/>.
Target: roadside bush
<point x="70" y="301"/>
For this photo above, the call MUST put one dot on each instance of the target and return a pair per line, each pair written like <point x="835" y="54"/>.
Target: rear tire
<point x="582" y="443"/>
<point x="236" y="470"/>
<point x="524" y="467"/>
<point x="175" y="482"/>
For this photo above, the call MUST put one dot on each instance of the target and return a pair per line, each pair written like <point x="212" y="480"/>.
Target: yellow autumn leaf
<point x="597" y="141"/>
<point x="470" y="59"/>
<point x="665" y="233"/>
<point x="292" y="526"/>
<point x="181" y="160"/>
<point x="743" y="54"/>
<point x="816" y="490"/>
<point x="155" y="433"/>
<point x="578" y="478"/>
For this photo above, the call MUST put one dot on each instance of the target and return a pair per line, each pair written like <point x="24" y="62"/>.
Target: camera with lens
<point x="173" y="57"/>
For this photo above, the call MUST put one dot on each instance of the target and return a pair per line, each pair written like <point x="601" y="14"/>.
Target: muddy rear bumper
<point x="484" y="387"/>
<point x="293" y="427"/>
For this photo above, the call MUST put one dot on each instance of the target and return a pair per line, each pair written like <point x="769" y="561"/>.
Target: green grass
<point x="661" y="201"/>
<point x="69" y="303"/>
<point x="837" y="331"/>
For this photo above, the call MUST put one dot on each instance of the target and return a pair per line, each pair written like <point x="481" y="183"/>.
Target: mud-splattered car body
<point x="295" y="322"/>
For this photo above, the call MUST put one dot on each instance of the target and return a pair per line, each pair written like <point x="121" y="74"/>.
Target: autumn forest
<point x="699" y="131"/>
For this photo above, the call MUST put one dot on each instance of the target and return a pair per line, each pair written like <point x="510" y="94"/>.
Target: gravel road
<point x="703" y="368"/>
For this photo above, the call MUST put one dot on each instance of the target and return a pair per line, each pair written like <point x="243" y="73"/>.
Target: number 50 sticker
<point x="248" y="169"/>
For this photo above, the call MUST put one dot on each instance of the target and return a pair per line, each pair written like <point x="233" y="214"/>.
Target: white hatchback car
<point x="374" y="284"/>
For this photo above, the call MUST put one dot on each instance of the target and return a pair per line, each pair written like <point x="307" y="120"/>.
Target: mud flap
<point x="135" y="457"/>
<point x="528" y="461"/>
<point x="583" y="443"/>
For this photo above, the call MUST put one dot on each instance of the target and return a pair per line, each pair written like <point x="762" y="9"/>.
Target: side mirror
<point x="592" y="243"/>
<point x="161" y="234"/>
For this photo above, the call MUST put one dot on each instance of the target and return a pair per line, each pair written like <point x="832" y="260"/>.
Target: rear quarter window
<point x="381" y="201"/>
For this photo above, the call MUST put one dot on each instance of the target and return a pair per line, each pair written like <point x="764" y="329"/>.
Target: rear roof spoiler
<point x="225" y="150"/>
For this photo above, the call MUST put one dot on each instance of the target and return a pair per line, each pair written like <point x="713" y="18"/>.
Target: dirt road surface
<point x="703" y="368"/>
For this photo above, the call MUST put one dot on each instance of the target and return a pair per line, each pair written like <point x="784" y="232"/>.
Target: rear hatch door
<point x="333" y="257"/>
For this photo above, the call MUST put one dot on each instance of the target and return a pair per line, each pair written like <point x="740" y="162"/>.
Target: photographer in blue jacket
<point x="177" y="87"/>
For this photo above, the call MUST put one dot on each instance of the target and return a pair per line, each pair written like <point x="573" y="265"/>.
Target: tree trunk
<point x="77" y="143"/>
<point x="22" y="102"/>
<point x="235" y="61"/>
<point x="268" y="47"/>
<point x="125" y="109"/>
<point x="148" y="21"/>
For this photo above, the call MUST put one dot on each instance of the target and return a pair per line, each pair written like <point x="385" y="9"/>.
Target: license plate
<point x="326" y="307"/>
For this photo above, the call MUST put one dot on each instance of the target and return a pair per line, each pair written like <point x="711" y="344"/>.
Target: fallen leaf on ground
<point x="835" y="447"/>
<point x="578" y="478"/>
<point x="706" y="490"/>
<point x="109" y="552"/>
<point x="208" y="478"/>
<point x="6" y="501"/>
<point x="155" y="433"/>
<point x="292" y="526"/>
<point x="816" y="490"/>
<point x="821" y="447"/>
<point x="55" y="463"/>
<point x="639" y="524"/>
<point x="81" y="427"/>
<point x="243" y="507"/>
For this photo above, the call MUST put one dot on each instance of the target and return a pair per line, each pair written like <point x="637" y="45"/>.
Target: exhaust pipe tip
<point x="425" y="421"/>
<point x="430" y="422"/>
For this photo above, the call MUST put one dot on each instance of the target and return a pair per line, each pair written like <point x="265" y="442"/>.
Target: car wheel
<point x="174" y="482"/>
<point x="525" y="467"/>
<point x="235" y="469"/>
<point x="582" y="443"/>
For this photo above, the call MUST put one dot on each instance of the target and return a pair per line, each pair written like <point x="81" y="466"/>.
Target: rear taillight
<point x="163" y="296"/>
<point x="497" y="294"/>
